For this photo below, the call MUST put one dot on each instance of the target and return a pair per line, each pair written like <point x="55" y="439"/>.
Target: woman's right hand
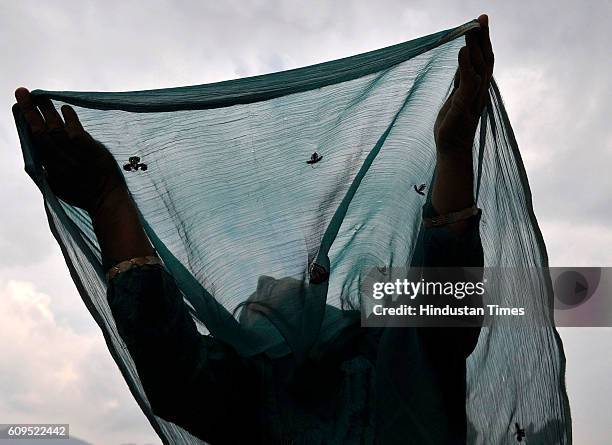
<point x="79" y="170"/>
<point x="83" y="173"/>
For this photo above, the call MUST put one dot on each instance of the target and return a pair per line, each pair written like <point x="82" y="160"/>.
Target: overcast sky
<point x="553" y="66"/>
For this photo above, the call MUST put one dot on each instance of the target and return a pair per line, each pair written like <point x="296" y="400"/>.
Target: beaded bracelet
<point x="128" y="264"/>
<point x="450" y="218"/>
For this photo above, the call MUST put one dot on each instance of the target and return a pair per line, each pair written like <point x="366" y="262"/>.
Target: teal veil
<point x="228" y="198"/>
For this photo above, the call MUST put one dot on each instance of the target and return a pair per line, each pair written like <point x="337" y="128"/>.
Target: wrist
<point x="457" y="156"/>
<point x="457" y="169"/>
<point x="453" y="186"/>
<point x="110" y="203"/>
<point x="117" y="226"/>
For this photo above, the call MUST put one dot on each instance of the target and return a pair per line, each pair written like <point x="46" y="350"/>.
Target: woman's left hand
<point x="457" y="121"/>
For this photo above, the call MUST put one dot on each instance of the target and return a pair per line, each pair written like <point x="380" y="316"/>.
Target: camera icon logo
<point x="574" y="286"/>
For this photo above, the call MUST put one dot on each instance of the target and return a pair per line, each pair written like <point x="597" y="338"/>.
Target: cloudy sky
<point x="552" y="64"/>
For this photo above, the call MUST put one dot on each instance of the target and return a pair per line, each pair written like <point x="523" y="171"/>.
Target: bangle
<point x="128" y="264"/>
<point x="450" y="218"/>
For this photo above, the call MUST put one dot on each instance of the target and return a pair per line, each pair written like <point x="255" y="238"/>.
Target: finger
<point x="467" y="95"/>
<point x="52" y="117"/>
<point x="456" y="81"/>
<point x="476" y="57"/>
<point x="448" y="102"/>
<point x="30" y="112"/>
<point x="469" y="79"/>
<point x="485" y="40"/>
<point x="73" y="124"/>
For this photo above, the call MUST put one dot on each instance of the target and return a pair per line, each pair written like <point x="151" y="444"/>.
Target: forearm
<point x="453" y="186"/>
<point x="118" y="228"/>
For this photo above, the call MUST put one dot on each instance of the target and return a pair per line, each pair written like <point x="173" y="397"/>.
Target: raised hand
<point x="456" y="124"/>
<point x="457" y="121"/>
<point x="79" y="170"/>
<point x="82" y="172"/>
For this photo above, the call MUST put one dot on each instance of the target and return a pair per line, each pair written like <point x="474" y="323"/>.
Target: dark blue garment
<point x="354" y="392"/>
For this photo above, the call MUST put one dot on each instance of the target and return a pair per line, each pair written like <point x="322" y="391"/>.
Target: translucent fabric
<point x="234" y="191"/>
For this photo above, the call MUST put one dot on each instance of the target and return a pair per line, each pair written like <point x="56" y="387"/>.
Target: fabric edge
<point x="261" y="87"/>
